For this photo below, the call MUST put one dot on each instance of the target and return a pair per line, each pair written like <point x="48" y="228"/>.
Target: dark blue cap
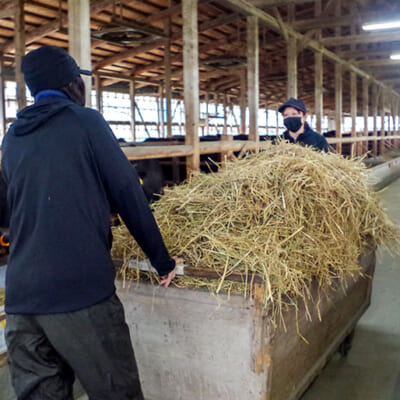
<point x="295" y="103"/>
<point x="49" y="67"/>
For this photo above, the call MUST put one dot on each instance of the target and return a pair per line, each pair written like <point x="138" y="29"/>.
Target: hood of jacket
<point x="31" y="117"/>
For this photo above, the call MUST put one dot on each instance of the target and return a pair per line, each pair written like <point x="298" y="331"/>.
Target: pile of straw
<point x="289" y="213"/>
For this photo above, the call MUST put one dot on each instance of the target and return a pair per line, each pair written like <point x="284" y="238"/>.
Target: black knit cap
<point x="49" y="67"/>
<point x="295" y="103"/>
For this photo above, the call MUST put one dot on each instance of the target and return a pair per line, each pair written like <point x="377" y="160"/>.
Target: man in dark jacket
<point x="65" y="172"/>
<point x="298" y="131"/>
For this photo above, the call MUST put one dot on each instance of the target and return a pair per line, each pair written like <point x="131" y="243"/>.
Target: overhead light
<point x="381" y="26"/>
<point x="395" y="57"/>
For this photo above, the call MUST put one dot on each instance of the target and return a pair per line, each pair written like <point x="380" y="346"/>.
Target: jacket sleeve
<point x="324" y="146"/>
<point x="123" y="187"/>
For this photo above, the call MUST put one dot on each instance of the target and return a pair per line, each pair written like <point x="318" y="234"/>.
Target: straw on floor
<point x="289" y="214"/>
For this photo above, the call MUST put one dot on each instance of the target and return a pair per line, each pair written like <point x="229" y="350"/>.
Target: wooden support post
<point x="19" y="40"/>
<point x="365" y="92"/>
<point x="375" y="99"/>
<point x="99" y="93"/>
<point x="353" y="111"/>
<point x="338" y="84"/>
<point x="252" y="76"/>
<point x="133" y="109"/>
<point x="243" y="102"/>
<point x="167" y="77"/>
<point x="225" y="129"/>
<point x="338" y="105"/>
<point x="207" y="114"/>
<point x="266" y="119"/>
<point x="318" y="74"/>
<point x="382" y="114"/>
<point x="191" y="81"/>
<point x="162" y="109"/>
<point x="2" y="101"/>
<point x="79" y="39"/>
<point x="292" y="67"/>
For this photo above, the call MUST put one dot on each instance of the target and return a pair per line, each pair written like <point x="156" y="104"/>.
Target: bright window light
<point x="395" y="57"/>
<point x="381" y="26"/>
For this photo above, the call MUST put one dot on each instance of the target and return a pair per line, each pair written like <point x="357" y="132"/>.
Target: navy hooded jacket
<point x="65" y="171"/>
<point x="309" y="138"/>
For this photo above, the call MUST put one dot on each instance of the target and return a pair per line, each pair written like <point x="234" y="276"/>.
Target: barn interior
<point x="186" y="82"/>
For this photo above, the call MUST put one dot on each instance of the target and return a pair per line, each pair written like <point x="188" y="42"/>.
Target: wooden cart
<point x="192" y="345"/>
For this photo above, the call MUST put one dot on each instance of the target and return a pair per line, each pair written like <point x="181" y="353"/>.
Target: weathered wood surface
<point x="225" y="347"/>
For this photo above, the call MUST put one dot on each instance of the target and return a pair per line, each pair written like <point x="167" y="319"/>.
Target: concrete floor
<point x="371" y="371"/>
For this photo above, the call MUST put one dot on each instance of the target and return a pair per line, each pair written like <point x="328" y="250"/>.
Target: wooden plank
<point x="378" y="63"/>
<point x="292" y="47"/>
<point x="277" y="3"/>
<point x="242" y="101"/>
<point x="375" y="96"/>
<point x="133" y="109"/>
<point x="253" y="76"/>
<point x="272" y="23"/>
<point x="382" y="115"/>
<point x="353" y="108"/>
<point x="167" y="75"/>
<point x="79" y="40"/>
<point x="7" y="8"/>
<point x="191" y="82"/>
<point x="96" y="6"/>
<point x="99" y="93"/>
<point x="318" y="75"/>
<point x="338" y="104"/>
<point x="378" y="37"/>
<point x="211" y="24"/>
<point x="365" y="96"/>
<point x="19" y="40"/>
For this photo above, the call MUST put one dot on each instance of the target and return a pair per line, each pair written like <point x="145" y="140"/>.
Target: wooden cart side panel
<point x="189" y="346"/>
<point x="295" y="364"/>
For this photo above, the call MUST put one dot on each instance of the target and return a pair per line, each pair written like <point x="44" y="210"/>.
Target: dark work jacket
<point x="309" y="138"/>
<point x="65" y="170"/>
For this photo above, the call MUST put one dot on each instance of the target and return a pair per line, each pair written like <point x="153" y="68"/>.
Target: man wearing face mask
<point x="298" y="131"/>
<point x="64" y="171"/>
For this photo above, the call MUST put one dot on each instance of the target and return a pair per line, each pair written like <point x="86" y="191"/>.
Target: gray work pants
<point x="46" y="351"/>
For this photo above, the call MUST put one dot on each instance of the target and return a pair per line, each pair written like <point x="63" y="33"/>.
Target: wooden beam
<point x="242" y="102"/>
<point x="268" y="20"/>
<point x="7" y="8"/>
<point x="375" y="99"/>
<point x="277" y="3"/>
<point x="353" y="102"/>
<point x="191" y="82"/>
<point x="252" y="76"/>
<point x="382" y="115"/>
<point x="211" y="24"/>
<point x="318" y="74"/>
<point x="378" y="63"/>
<point x="358" y="39"/>
<point x="167" y="75"/>
<point x="96" y="6"/>
<point x="99" y="93"/>
<point x="338" y="104"/>
<point x="365" y="98"/>
<point x="79" y="39"/>
<point x="19" y="39"/>
<point x="292" y="68"/>
<point x="132" y="99"/>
